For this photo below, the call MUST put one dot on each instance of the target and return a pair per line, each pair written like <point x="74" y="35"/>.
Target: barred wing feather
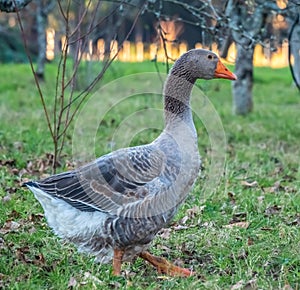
<point x="110" y="183"/>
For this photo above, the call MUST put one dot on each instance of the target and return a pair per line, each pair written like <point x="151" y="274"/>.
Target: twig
<point x="34" y="73"/>
<point x="82" y="96"/>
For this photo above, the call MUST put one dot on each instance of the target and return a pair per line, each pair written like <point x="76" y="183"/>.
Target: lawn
<point x="240" y="233"/>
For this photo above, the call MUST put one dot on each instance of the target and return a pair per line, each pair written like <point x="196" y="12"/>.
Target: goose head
<point x="201" y="64"/>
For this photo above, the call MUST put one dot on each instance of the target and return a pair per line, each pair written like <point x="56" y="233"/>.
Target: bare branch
<point x="82" y="96"/>
<point x="34" y="75"/>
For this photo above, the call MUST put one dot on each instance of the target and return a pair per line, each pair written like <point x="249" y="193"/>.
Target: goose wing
<point x="109" y="183"/>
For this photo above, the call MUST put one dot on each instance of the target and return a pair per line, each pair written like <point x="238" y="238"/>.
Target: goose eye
<point x="210" y="56"/>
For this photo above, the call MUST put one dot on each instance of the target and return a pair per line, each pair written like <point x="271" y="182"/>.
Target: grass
<point x="259" y="193"/>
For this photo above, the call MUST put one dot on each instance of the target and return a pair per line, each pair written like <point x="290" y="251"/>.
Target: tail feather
<point x="29" y="183"/>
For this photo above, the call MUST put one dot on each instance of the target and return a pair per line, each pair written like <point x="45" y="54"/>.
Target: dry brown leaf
<point x="163" y="248"/>
<point x="266" y="229"/>
<point x="20" y="254"/>
<point x="2" y="243"/>
<point x="35" y="217"/>
<point x="269" y="189"/>
<point x="9" y="226"/>
<point x="238" y="217"/>
<point x="272" y="210"/>
<point x="238" y="285"/>
<point x="39" y="260"/>
<point x="88" y="277"/>
<point x="6" y="198"/>
<point x="244" y="225"/>
<point x="295" y="221"/>
<point x="184" y="220"/>
<point x="165" y="233"/>
<point x="260" y="199"/>
<point x="72" y="282"/>
<point x="250" y="285"/>
<point x="275" y="188"/>
<point x="195" y="210"/>
<point x="231" y="196"/>
<point x="7" y="162"/>
<point x="287" y="287"/>
<point x="180" y="227"/>
<point x="190" y="214"/>
<point x="249" y="184"/>
<point x="250" y="242"/>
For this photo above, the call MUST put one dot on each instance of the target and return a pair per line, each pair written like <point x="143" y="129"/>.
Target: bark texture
<point x="293" y="19"/>
<point x="245" y="24"/>
<point x="295" y="51"/>
<point x="242" y="88"/>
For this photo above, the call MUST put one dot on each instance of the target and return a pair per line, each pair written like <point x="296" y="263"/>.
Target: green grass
<point x="260" y="186"/>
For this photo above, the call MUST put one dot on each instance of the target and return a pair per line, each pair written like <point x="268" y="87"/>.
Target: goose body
<point x="113" y="207"/>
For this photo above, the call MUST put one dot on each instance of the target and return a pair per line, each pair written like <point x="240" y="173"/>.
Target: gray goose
<point x="113" y="207"/>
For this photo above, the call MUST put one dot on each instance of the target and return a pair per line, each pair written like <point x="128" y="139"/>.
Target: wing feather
<point x="110" y="183"/>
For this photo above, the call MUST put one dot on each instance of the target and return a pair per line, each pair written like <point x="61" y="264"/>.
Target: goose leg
<point x="164" y="266"/>
<point x="117" y="261"/>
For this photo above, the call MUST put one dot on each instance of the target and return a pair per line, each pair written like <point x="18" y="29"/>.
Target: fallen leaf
<point x="165" y="233"/>
<point x="287" y="287"/>
<point x="15" y="171"/>
<point x="39" y="260"/>
<point x="2" y="243"/>
<point x="190" y="214"/>
<point x="266" y="229"/>
<point x="184" y="220"/>
<point x="32" y="230"/>
<point x="250" y="285"/>
<point x="88" y="277"/>
<point x="249" y="184"/>
<point x="9" y="226"/>
<point x="250" y="242"/>
<point x="238" y="217"/>
<point x="164" y="278"/>
<point x="260" y="199"/>
<point x="180" y="227"/>
<point x="163" y="248"/>
<point x="231" y="196"/>
<point x="35" y="217"/>
<point x="7" y="162"/>
<point x="195" y="210"/>
<point x="272" y="210"/>
<point x="269" y="189"/>
<point x="244" y="225"/>
<point x="14" y="214"/>
<point x="18" y="145"/>
<point x="6" y="198"/>
<point x="295" y="222"/>
<point x="275" y="188"/>
<point x="72" y="282"/>
<point x="20" y="254"/>
<point x="238" y="285"/>
<point x="242" y="255"/>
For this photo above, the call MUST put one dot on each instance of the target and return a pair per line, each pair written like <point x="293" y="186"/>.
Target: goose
<point x="113" y="208"/>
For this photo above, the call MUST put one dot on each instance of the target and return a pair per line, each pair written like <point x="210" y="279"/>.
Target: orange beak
<point x="222" y="72"/>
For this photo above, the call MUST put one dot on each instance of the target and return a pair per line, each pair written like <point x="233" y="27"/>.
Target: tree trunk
<point x="295" y="51"/>
<point x="41" y="23"/>
<point x="242" y="87"/>
<point x="246" y="24"/>
<point x="293" y="19"/>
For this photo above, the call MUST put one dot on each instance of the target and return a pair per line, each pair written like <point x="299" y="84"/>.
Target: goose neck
<point x="177" y="93"/>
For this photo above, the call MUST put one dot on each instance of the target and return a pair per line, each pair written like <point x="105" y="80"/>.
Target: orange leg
<point x="164" y="266"/>
<point x="117" y="262"/>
